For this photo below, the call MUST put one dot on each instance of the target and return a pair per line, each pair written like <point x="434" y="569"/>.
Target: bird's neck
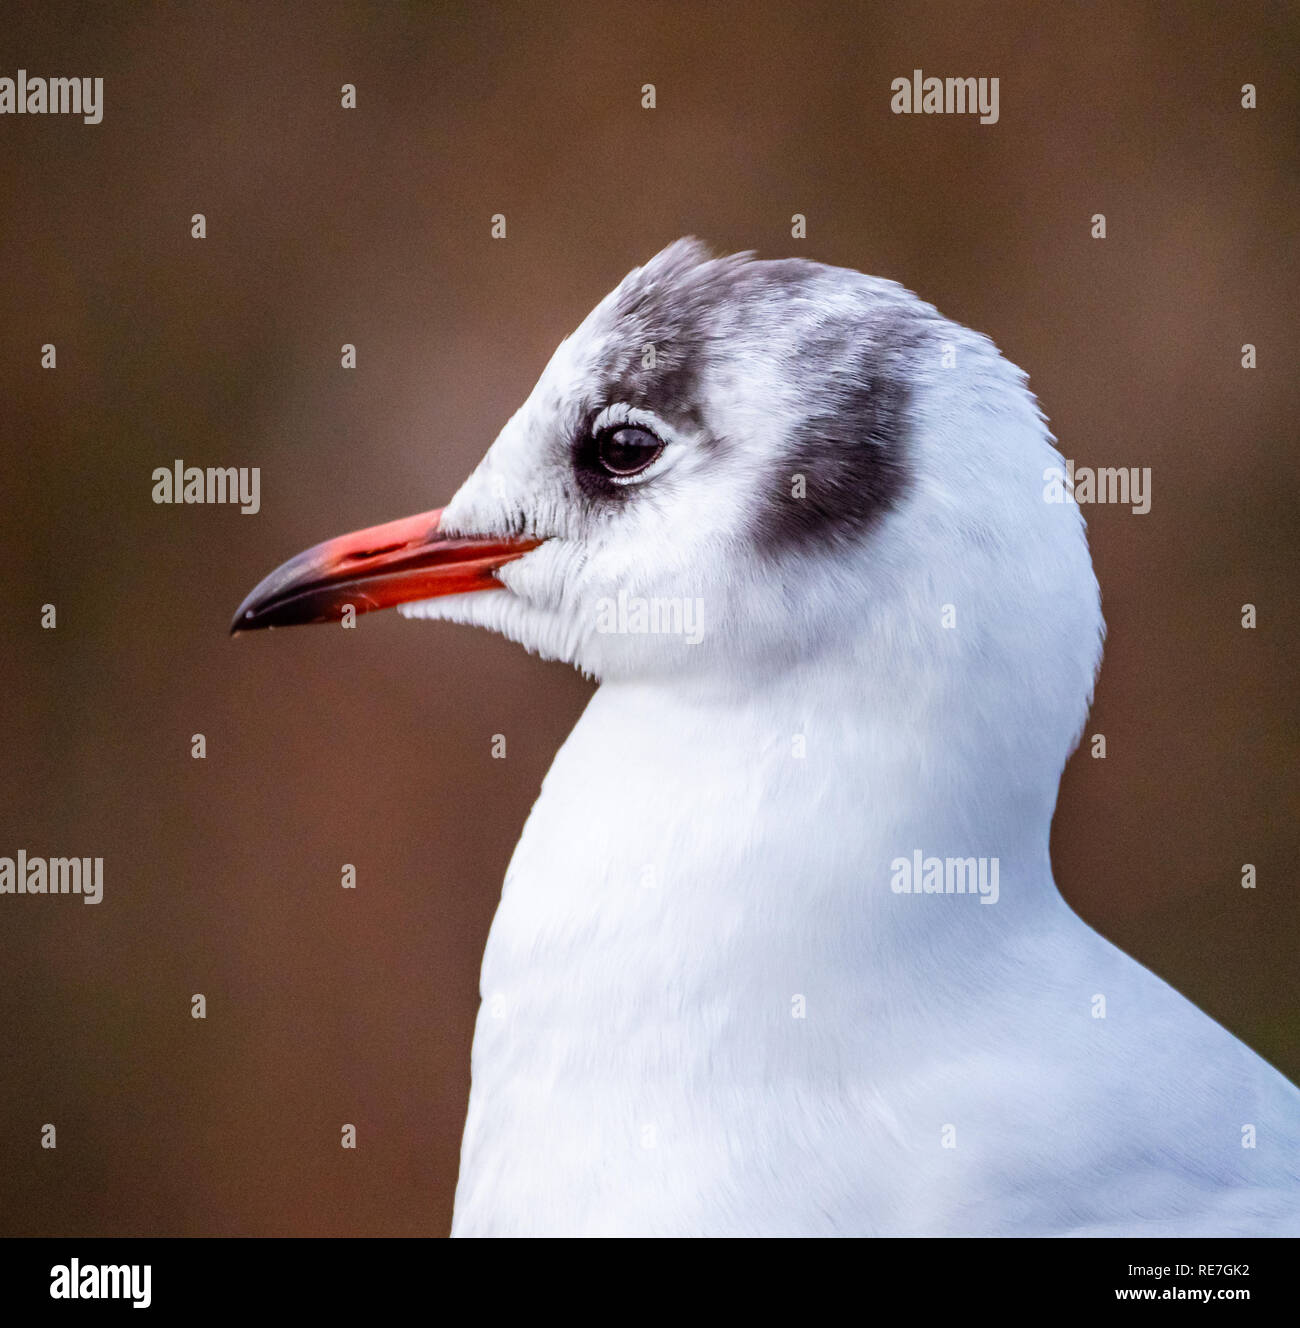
<point x="818" y="814"/>
<point x="699" y="932"/>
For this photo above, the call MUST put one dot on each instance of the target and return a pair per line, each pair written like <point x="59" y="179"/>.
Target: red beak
<point x="375" y="569"/>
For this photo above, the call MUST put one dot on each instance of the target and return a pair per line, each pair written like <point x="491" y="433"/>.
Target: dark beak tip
<point x="245" y="619"/>
<point x="376" y="568"/>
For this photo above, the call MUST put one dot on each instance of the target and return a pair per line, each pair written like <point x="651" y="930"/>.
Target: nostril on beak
<point x="360" y="555"/>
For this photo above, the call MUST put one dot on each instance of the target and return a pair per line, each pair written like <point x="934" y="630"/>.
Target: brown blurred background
<point x="371" y="226"/>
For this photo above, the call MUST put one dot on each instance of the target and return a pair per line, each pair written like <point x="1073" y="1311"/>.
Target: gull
<point x="779" y="951"/>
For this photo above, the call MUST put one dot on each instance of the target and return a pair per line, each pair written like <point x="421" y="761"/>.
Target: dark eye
<point x="626" y="450"/>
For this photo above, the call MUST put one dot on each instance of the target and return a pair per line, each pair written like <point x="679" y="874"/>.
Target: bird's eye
<point x="626" y="450"/>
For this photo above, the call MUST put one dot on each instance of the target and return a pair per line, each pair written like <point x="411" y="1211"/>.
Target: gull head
<point x="737" y="468"/>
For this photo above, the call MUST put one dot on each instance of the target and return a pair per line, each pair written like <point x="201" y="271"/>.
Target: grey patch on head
<point x="851" y="443"/>
<point x="679" y="303"/>
<point x="845" y="338"/>
<point x="849" y="456"/>
<point x="682" y="302"/>
<point x="695" y="310"/>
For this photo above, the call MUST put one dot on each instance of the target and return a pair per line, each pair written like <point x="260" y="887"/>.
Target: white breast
<point x="705" y="1011"/>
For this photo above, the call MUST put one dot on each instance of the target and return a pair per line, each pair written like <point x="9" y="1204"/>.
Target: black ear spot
<point x="844" y="465"/>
